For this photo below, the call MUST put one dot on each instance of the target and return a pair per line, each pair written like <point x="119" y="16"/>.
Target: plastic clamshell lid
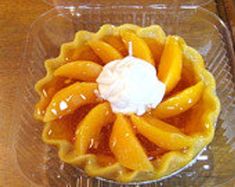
<point x="129" y="2"/>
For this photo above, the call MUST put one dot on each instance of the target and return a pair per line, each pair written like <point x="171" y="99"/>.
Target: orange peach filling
<point x="70" y="105"/>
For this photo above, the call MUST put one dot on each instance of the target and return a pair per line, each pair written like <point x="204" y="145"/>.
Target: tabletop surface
<point x="16" y="16"/>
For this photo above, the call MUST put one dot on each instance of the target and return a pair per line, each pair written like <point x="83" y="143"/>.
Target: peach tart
<point x="127" y="103"/>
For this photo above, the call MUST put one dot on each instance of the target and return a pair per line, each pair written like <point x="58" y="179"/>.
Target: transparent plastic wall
<point x="201" y="29"/>
<point x="129" y="2"/>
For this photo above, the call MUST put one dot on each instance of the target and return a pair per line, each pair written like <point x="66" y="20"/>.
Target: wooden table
<point x="16" y="16"/>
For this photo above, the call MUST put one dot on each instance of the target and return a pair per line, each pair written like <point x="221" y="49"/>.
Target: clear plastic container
<point x="201" y="29"/>
<point x="129" y="2"/>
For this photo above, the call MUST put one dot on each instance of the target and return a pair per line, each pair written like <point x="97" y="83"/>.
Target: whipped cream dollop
<point x="130" y="85"/>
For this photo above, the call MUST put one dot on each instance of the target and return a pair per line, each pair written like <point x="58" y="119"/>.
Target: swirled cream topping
<point x="130" y="85"/>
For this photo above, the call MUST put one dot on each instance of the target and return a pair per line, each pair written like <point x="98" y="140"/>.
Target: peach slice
<point x="64" y="128"/>
<point x="83" y="52"/>
<point x="170" y="67"/>
<point x="180" y="102"/>
<point x="154" y="37"/>
<point x="90" y="127"/>
<point x="156" y="49"/>
<point x="126" y="147"/>
<point x="160" y="124"/>
<point x="105" y="51"/>
<point x="80" y="70"/>
<point x="117" y="43"/>
<point x="161" y="133"/>
<point x="48" y="91"/>
<point x="69" y="99"/>
<point x="140" y="48"/>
